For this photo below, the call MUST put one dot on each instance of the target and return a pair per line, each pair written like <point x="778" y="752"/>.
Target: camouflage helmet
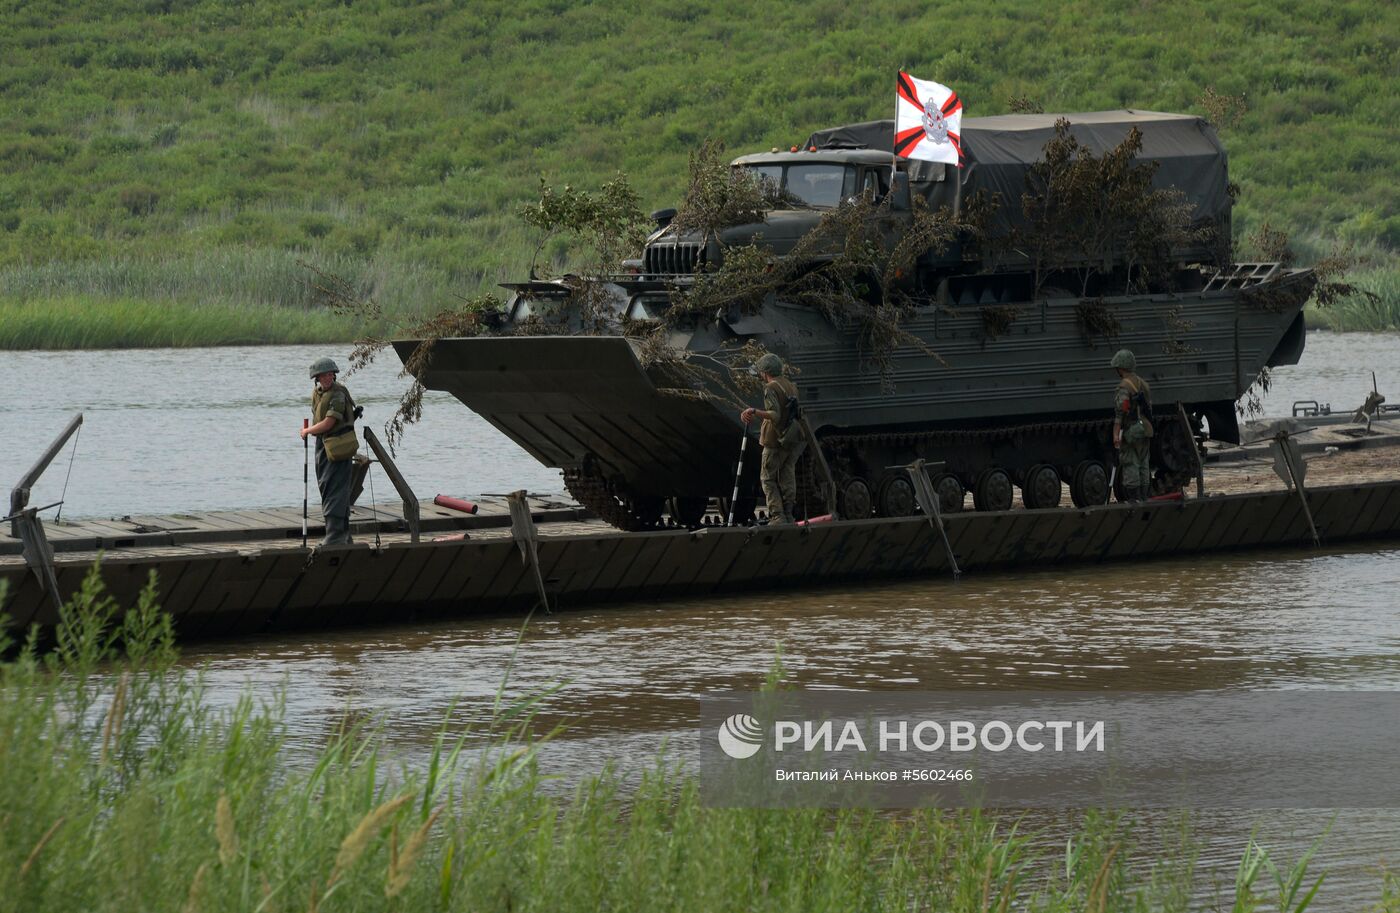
<point x="321" y="366"/>
<point x="1125" y="360"/>
<point x="769" y="364"/>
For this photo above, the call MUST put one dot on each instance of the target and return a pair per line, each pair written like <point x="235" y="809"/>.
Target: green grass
<point x="91" y="322"/>
<point x="239" y="275"/>
<point x="164" y="134"/>
<point x="124" y="791"/>
<point x="1361" y="313"/>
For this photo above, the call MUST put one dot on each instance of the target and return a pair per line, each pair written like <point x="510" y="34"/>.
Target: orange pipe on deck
<point x="455" y="504"/>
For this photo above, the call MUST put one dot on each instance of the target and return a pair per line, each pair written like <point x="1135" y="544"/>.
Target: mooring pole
<point x="25" y="524"/>
<point x="19" y="495"/>
<point x="829" y="483"/>
<point x="391" y="469"/>
<point x="1195" y="454"/>
<point x="305" y="479"/>
<point x="522" y="530"/>
<point x="928" y="500"/>
<point x="1286" y="452"/>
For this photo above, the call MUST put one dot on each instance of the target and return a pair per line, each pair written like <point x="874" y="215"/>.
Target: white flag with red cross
<point x="928" y="121"/>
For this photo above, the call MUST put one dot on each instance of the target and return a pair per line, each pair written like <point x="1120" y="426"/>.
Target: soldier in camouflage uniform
<point x="778" y="468"/>
<point x="333" y="423"/>
<point x="1132" y="427"/>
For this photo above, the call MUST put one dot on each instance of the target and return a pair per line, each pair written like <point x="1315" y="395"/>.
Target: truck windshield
<point x="822" y="185"/>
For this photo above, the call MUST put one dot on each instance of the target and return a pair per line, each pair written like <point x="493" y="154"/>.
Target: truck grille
<point x="673" y="258"/>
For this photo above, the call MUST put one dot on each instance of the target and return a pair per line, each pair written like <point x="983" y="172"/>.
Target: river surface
<point x="178" y="430"/>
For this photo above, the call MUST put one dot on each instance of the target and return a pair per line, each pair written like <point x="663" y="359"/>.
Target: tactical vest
<point x="769" y="434"/>
<point x="340" y="442"/>
<point x="1134" y="401"/>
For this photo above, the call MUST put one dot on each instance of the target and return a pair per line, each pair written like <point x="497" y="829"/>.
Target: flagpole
<point x="894" y="134"/>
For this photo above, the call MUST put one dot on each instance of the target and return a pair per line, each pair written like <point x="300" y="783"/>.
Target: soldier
<point x="778" y="469"/>
<point x="1132" y="427"/>
<point x="333" y="414"/>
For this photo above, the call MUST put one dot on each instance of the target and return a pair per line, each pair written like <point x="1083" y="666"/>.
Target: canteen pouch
<point x="1137" y="431"/>
<point x="342" y="446"/>
<point x="791" y="436"/>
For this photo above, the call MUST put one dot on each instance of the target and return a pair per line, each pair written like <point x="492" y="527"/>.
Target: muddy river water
<point x="178" y="430"/>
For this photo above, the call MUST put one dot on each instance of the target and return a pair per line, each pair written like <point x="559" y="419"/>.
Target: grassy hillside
<point x="192" y="151"/>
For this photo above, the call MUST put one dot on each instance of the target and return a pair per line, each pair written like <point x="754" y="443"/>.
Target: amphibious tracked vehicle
<point x="1018" y="397"/>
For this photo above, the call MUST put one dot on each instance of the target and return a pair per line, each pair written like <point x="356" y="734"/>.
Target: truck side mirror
<point x="899" y="193"/>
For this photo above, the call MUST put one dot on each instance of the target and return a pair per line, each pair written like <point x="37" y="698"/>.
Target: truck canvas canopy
<point x="1000" y="151"/>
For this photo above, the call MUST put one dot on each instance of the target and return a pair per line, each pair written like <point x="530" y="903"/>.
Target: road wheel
<point x="897" y="497"/>
<point x="647" y="509"/>
<point x="993" y="490"/>
<point x="856" y="502"/>
<point x="687" y="511"/>
<point x="950" y="491"/>
<point x="1042" y="488"/>
<point x="1089" y="486"/>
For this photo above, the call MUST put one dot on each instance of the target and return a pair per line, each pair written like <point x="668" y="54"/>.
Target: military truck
<point x="1026" y="406"/>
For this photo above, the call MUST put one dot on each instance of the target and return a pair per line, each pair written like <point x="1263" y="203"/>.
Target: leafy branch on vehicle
<point x="1095" y="318"/>
<point x="609" y="225"/>
<point x="1223" y="111"/>
<point x="718" y="196"/>
<point x="844" y="267"/>
<point x="1085" y="212"/>
<point x="1329" y="271"/>
<point x="997" y="320"/>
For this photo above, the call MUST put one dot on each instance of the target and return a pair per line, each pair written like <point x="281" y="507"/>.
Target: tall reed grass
<point x="224" y="296"/>
<point x="236" y="275"/>
<point x="87" y="322"/>
<point x="123" y="791"/>
<point x="1359" y="313"/>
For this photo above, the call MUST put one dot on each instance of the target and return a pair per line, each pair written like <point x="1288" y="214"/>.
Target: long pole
<point x="734" y="498"/>
<point x="1289" y="450"/>
<point x="1195" y="454"/>
<point x="305" y="478"/>
<point x="894" y="155"/>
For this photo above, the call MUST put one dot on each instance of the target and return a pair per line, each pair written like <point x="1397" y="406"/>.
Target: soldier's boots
<point x="337" y="531"/>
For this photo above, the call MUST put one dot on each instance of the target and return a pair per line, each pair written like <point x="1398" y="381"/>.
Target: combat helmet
<point x="1125" y="360"/>
<point x="321" y="366"/>
<point x="769" y="364"/>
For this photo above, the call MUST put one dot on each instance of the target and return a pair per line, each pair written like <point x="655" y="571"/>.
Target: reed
<point x="97" y="323"/>
<point x="239" y="275"/>
<point x="1361" y="313"/>
<point x="157" y="827"/>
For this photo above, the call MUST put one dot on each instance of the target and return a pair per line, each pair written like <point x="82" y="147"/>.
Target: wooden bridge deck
<point x="232" y="572"/>
<point x="261" y="525"/>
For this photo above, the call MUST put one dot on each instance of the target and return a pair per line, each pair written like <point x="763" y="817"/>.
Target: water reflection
<point x="182" y="430"/>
